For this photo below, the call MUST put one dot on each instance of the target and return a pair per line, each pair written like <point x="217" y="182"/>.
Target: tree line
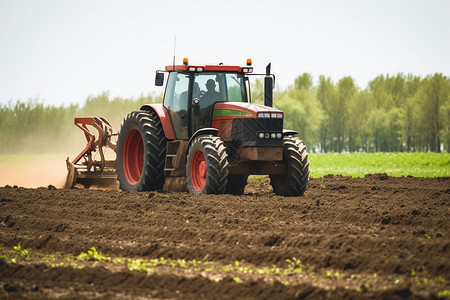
<point x="401" y="113"/>
<point x="32" y="127"/>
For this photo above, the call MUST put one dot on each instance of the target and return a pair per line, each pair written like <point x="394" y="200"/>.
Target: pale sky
<point x="61" y="52"/>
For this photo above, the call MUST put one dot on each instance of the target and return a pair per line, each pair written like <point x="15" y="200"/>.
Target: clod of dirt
<point x="273" y="240"/>
<point x="404" y="293"/>
<point x="7" y="221"/>
<point x="337" y="188"/>
<point x="378" y="176"/>
<point x="386" y="220"/>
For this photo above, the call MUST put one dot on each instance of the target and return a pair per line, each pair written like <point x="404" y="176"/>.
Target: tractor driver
<point x="211" y="95"/>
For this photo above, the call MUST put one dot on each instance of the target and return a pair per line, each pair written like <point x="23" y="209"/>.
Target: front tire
<point x="207" y="166"/>
<point x="141" y="151"/>
<point x="295" y="181"/>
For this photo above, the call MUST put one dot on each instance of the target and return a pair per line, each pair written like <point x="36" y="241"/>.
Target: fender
<point x="203" y="131"/>
<point x="163" y="115"/>
<point x="287" y="132"/>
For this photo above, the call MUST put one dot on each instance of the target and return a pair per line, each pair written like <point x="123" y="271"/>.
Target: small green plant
<point x="92" y="255"/>
<point x="179" y="263"/>
<point x="434" y="282"/>
<point x="21" y="251"/>
<point x="119" y="260"/>
<point x="15" y="254"/>
<point x="295" y="266"/>
<point x="444" y="294"/>
<point x="237" y="280"/>
<point x="228" y="268"/>
<point x="77" y="266"/>
<point x="51" y="257"/>
<point x="139" y="265"/>
<point x="61" y="264"/>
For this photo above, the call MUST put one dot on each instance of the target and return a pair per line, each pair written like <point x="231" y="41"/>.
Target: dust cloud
<point x="33" y="171"/>
<point x="40" y="160"/>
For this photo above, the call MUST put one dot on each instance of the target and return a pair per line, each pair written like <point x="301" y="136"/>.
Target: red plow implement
<point x="85" y="169"/>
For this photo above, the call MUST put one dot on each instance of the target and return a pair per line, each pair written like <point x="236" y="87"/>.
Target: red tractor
<point x="207" y="137"/>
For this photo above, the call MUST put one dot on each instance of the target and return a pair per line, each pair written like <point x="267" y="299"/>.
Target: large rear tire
<point x="207" y="166"/>
<point x="141" y="151"/>
<point x="294" y="183"/>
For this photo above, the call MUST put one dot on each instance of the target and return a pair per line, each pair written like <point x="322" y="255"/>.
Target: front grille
<point x="245" y="132"/>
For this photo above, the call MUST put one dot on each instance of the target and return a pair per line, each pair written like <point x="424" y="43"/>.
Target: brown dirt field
<point x="376" y="237"/>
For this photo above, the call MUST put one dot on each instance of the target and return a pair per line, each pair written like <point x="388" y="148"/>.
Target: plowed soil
<point x="376" y="237"/>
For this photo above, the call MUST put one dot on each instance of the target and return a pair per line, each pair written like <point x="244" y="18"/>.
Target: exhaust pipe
<point x="268" y="87"/>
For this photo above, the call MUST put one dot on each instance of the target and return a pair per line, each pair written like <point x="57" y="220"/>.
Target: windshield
<point x="211" y="87"/>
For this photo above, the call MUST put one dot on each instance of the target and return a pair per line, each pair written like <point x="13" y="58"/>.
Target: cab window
<point x="176" y="102"/>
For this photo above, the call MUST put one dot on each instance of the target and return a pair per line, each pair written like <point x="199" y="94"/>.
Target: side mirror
<point x="159" y="79"/>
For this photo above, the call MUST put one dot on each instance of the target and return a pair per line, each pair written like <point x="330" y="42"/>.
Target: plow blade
<point x="85" y="169"/>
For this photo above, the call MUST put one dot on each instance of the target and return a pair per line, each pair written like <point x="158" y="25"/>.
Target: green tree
<point x="303" y="112"/>
<point x="326" y="95"/>
<point x="358" y="111"/>
<point x="346" y="92"/>
<point x="304" y="82"/>
<point x="436" y="92"/>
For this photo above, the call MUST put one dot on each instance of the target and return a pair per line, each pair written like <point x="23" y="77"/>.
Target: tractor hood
<point x="245" y="110"/>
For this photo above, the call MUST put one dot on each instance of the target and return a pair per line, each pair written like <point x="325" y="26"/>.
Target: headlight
<point x="195" y="69"/>
<point x="272" y="115"/>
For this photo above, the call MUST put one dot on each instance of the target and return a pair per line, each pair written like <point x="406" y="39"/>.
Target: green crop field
<point x="393" y="164"/>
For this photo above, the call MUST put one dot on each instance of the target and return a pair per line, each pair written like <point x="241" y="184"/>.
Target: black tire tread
<point x="296" y="157"/>
<point x="216" y="161"/>
<point x="155" y="141"/>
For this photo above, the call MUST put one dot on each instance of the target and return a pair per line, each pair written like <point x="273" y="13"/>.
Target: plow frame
<point x="84" y="169"/>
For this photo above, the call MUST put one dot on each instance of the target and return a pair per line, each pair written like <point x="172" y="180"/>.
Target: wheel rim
<point x="133" y="156"/>
<point x="198" y="170"/>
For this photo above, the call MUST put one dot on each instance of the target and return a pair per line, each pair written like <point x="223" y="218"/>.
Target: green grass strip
<point x="393" y="164"/>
